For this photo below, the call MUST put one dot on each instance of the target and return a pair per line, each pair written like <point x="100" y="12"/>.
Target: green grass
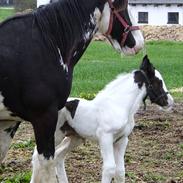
<point x="4" y="13"/>
<point x="27" y="144"/>
<point x="23" y="177"/>
<point x="100" y="64"/>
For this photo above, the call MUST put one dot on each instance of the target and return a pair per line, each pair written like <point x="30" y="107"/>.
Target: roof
<point x="155" y="1"/>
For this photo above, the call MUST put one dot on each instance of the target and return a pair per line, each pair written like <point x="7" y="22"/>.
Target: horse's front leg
<point x="43" y="162"/>
<point x="119" y="152"/>
<point x="7" y="132"/>
<point x="107" y="152"/>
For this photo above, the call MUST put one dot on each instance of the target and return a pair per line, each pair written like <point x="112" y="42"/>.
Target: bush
<point x="21" y="5"/>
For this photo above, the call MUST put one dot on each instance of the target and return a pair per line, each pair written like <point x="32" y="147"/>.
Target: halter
<point x="127" y="27"/>
<point x="151" y="92"/>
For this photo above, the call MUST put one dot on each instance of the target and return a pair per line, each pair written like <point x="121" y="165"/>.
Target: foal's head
<point x="118" y="25"/>
<point x="154" y="83"/>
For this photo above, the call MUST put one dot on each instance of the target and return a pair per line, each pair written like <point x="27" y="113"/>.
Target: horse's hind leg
<point x="66" y="146"/>
<point x="7" y="132"/>
<point x="43" y="162"/>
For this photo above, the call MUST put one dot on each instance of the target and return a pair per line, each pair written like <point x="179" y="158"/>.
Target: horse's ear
<point x="147" y="67"/>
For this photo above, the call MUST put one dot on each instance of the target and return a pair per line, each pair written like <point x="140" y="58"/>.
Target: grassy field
<point x="101" y="63"/>
<point x="4" y="13"/>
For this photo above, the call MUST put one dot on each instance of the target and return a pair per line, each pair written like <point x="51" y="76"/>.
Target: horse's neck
<point x="123" y="92"/>
<point x="72" y="26"/>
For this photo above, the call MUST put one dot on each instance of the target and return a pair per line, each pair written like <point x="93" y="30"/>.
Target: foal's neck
<point x="123" y="92"/>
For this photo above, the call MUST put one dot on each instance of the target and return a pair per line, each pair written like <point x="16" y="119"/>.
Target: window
<point x="173" y="18"/>
<point x="143" y="17"/>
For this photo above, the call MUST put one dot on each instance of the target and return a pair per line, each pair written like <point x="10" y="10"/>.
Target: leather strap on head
<point x="127" y="27"/>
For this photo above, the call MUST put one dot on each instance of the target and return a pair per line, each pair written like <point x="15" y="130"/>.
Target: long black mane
<point x="63" y="24"/>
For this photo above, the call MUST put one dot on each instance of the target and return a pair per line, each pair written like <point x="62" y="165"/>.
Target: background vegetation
<point x="21" y="5"/>
<point x="101" y="63"/>
<point x="4" y="13"/>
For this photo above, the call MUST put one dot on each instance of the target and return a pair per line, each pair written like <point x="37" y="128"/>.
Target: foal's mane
<point x="62" y="24"/>
<point x="115" y="84"/>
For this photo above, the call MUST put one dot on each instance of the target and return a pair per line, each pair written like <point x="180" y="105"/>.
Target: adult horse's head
<point x="118" y="25"/>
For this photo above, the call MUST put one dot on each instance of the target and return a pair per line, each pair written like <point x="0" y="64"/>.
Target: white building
<point x="42" y="2"/>
<point x="157" y="12"/>
<point x="151" y="12"/>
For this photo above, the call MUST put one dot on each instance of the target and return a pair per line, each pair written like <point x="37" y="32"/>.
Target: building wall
<point x="157" y="15"/>
<point x="42" y="2"/>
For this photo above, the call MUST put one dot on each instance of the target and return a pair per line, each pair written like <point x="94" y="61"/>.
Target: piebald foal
<point x="108" y="119"/>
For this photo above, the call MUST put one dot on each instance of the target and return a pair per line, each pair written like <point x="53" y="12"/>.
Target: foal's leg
<point x="66" y="146"/>
<point x="119" y="152"/>
<point x="106" y="147"/>
<point x="43" y="163"/>
<point x="7" y="132"/>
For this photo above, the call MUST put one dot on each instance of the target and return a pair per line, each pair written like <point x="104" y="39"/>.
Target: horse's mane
<point x="61" y="23"/>
<point x="109" y="88"/>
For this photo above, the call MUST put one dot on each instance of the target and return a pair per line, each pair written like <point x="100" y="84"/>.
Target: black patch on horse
<point x="12" y="129"/>
<point x="67" y="129"/>
<point x="72" y="106"/>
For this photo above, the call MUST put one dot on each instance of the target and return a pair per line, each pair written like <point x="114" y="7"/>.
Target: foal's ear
<point x="147" y="67"/>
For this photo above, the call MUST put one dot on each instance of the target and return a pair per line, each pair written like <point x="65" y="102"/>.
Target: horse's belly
<point x="87" y="132"/>
<point x="5" y="114"/>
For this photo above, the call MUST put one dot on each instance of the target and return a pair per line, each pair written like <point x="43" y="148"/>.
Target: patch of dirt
<point x="171" y="33"/>
<point x="154" y="153"/>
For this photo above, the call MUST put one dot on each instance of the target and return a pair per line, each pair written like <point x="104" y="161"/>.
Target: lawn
<point x="6" y="12"/>
<point x="100" y="64"/>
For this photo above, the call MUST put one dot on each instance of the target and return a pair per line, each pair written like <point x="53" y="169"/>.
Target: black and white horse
<point x="38" y="52"/>
<point x="108" y="119"/>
